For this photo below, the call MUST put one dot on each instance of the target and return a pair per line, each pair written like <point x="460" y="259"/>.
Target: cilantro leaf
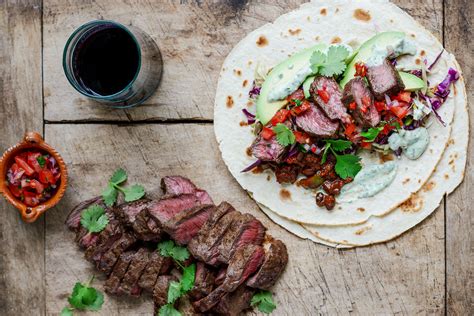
<point x="168" y="310"/>
<point x="109" y="195"/>
<point x="371" y="134"/>
<point x="338" y="52"/>
<point x="187" y="281"/>
<point x="284" y="135"/>
<point x="84" y="297"/>
<point x="174" y="292"/>
<point x="332" y="63"/>
<point x="296" y="102"/>
<point x="41" y="161"/>
<point x="133" y="192"/>
<point x="66" y="311"/>
<point x="264" y="301"/>
<point x="339" y="144"/>
<point x="94" y="219"/>
<point x="333" y="68"/>
<point x="166" y="247"/>
<point x="318" y="58"/>
<point x="169" y="249"/>
<point x="119" y="176"/>
<point x="347" y="166"/>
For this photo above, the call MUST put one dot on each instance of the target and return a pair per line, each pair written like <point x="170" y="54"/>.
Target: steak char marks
<point x="332" y="106"/>
<point x="365" y="112"/>
<point x="314" y="122"/>
<point x="222" y="237"/>
<point x="384" y="80"/>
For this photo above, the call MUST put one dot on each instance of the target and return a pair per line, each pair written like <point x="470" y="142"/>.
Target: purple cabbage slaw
<point x="257" y="163"/>
<point x="250" y="116"/>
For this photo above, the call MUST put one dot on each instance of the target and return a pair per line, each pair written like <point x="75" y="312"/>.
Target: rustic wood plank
<point x="194" y="38"/>
<point x="21" y="244"/>
<point x="404" y="276"/>
<point x="459" y="213"/>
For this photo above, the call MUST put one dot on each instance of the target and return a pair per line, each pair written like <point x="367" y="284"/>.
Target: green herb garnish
<point x="170" y="249"/>
<point x="264" y="301"/>
<point x="284" y="135"/>
<point x="297" y="102"/>
<point x="371" y="134"/>
<point x="168" y="310"/>
<point x="84" y="297"/>
<point x="346" y="165"/>
<point x="131" y="193"/>
<point x="332" y="63"/>
<point x="94" y="219"/>
<point x="41" y="161"/>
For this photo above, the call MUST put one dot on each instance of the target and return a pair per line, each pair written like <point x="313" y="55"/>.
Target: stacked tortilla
<point x="419" y="185"/>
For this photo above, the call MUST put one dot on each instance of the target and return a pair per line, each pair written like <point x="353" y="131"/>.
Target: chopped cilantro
<point x="41" y="161"/>
<point x="332" y="63"/>
<point x="284" y="135"/>
<point x="371" y="134"/>
<point x="94" y="218"/>
<point x="264" y="301"/>
<point x="296" y="102"/>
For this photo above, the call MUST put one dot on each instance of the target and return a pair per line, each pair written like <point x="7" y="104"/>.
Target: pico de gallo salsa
<point x="33" y="177"/>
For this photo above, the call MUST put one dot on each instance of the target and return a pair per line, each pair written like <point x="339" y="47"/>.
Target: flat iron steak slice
<point x="112" y="284"/>
<point x="314" y="122"/>
<point x="129" y="284"/>
<point x="234" y="303"/>
<point x="204" y="282"/>
<point x="106" y="238"/>
<point x="73" y="220"/>
<point x="165" y="209"/>
<point x="152" y="271"/>
<point x="332" y="105"/>
<point x="177" y="185"/>
<point x="364" y="113"/>
<point x="384" y="80"/>
<point x="108" y="259"/>
<point x="160" y="291"/>
<point x="268" y="150"/>
<point x="276" y="258"/>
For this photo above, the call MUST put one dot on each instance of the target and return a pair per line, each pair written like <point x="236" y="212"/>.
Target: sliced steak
<point x="106" y="238"/>
<point x="160" y="291"/>
<point x="276" y="258"/>
<point x="220" y="277"/>
<point x="187" y="224"/>
<point x="152" y="271"/>
<point x="73" y="220"/>
<point x="365" y="113"/>
<point x="245" y="262"/>
<point x="108" y="259"/>
<point x="234" y="303"/>
<point x="203" y="282"/>
<point x="268" y="150"/>
<point x="333" y="106"/>
<point x="112" y="284"/>
<point x="129" y="284"/>
<point x="146" y="227"/>
<point x="245" y="230"/>
<point x="165" y="209"/>
<point x="177" y="185"/>
<point x="316" y="123"/>
<point x="204" y="246"/>
<point x="384" y="79"/>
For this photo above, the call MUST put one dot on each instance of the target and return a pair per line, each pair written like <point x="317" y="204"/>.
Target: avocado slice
<point x="398" y="40"/>
<point x="284" y="78"/>
<point x="411" y="82"/>
<point x="306" y="85"/>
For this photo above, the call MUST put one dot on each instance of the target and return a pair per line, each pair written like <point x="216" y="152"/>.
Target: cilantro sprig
<point x="177" y="289"/>
<point x="330" y="63"/>
<point x="371" y="134"/>
<point x="94" y="218"/>
<point x="284" y="135"/>
<point x="264" y="301"/>
<point x="131" y="193"/>
<point x="83" y="297"/>
<point x="347" y="165"/>
<point x="41" y="161"/>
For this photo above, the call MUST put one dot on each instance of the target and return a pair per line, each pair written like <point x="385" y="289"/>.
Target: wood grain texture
<point x="405" y="276"/>
<point x="21" y="244"/>
<point x="459" y="211"/>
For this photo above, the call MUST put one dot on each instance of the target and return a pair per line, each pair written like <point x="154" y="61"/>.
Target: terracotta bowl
<point x="31" y="140"/>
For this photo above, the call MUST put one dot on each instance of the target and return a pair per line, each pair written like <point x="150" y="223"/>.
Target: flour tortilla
<point x="446" y="178"/>
<point x="291" y="33"/>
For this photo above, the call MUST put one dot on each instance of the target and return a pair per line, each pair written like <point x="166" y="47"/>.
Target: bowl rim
<point x="31" y="140"/>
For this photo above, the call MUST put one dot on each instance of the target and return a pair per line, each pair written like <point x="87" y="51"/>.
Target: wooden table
<point x="426" y="271"/>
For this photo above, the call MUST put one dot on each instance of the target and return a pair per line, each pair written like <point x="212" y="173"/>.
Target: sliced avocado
<point x="286" y="76"/>
<point x="306" y="85"/>
<point x="366" y="50"/>
<point x="411" y="82"/>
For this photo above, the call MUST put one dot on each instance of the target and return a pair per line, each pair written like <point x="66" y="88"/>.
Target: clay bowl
<point x="31" y="140"/>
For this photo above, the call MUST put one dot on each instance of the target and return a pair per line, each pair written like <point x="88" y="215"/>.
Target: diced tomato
<point x="365" y="145"/>
<point x="267" y="133"/>
<point x="350" y="129"/>
<point x="401" y="110"/>
<point x="31" y="200"/>
<point x="46" y="176"/>
<point x="33" y="161"/>
<point x="301" y="137"/>
<point x="34" y="184"/>
<point x="280" y="116"/>
<point x="297" y="95"/>
<point x="361" y="70"/>
<point x="404" y="96"/>
<point x="297" y="110"/>
<point x="21" y="162"/>
<point x="14" y="189"/>
<point x="352" y="106"/>
<point x="324" y="95"/>
<point x="14" y="167"/>
<point x="386" y="129"/>
<point x="380" y="106"/>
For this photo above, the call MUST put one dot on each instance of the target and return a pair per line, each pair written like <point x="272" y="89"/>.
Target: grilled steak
<point x="112" y="284"/>
<point x="107" y="237"/>
<point x="316" y="123"/>
<point x="108" y="259"/>
<point x="165" y="209"/>
<point x="153" y="270"/>
<point x="267" y="150"/>
<point x="186" y="225"/>
<point x="146" y="227"/>
<point x="129" y="284"/>
<point x="204" y="246"/>
<point x="177" y="185"/>
<point x="203" y="282"/>
<point x="365" y="113"/>
<point x="333" y="106"/>
<point x="245" y="262"/>
<point x="232" y="304"/>
<point x="273" y="266"/>
<point x="160" y="291"/>
<point x="245" y="230"/>
<point x="220" y="277"/>
<point x="73" y="220"/>
<point x="384" y="79"/>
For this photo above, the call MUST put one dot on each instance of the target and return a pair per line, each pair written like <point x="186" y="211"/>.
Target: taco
<point x="336" y="114"/>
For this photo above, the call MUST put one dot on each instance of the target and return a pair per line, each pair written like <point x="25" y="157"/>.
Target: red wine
<point x="106" y="60"/>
